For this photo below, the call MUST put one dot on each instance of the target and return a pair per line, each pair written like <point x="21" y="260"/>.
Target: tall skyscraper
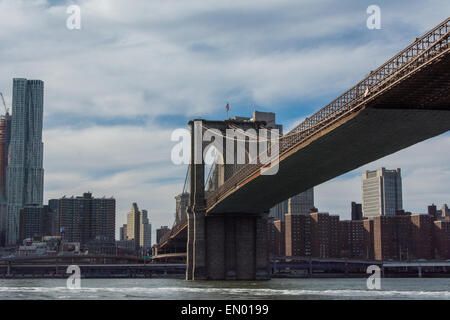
<point x="301" y="203"/>
<point x="123" y="232"/>
<point x="139" y="227"/>
<point x="25" y="172"/>
<point x="356" y="212"/>
<point x="445" y="212"/>
<point x="146" y="231"/>
<point x="5" y="138"/>
<point x="381" y="192"/>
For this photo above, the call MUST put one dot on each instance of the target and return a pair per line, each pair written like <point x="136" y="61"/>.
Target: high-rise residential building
<point x="278" y="211"/>
<point x="84" y="219"/>
<point x="133" y="223"/>
<point x="368" y="235"/>
<point x="25" y="173"/>
<point x="441" y="237"/>
<point x="422" y="236"/>
<point x="324" y="235"/>
<point x="53" y="205"/>
<point x="297" y="230"/>
<point x="123" y="232"/>
<point x="392" y="237"/>
<point x="5" y="138"/>
<point x="138" y="227"/>
<point x="381" y="192"/>
<point x="301" y="203"/>
<point x="352" y="239"/>
<point x="276" y="237"/>
<point x="432" y="211"/>
<point x="356" y="212"/>
<point x="445" y="212"/>
<point x="35" y="222"/>
<point x="145" y="233"/>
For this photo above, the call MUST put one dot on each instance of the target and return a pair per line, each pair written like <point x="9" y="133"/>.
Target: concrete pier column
<point x="227" y="247"/>
<point x="190" y="243"/>
<point x="261" y="248"/>
<point x="245" y="247"/>
<point x="230" y="248"/>
<point x="215" y="247"/>
<point x="199" y="247"/>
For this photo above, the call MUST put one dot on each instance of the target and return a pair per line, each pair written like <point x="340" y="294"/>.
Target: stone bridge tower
<point x="226" y="245"/>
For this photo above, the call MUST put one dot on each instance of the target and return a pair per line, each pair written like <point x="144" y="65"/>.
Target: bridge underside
<point x="362" y="137"/>
<point x="176" y="244"/>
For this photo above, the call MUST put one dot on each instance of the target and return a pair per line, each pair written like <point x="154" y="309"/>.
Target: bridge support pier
<point x="189" y="245"/>
<point x="223" y="246"/>
<point x="228" y="247"/>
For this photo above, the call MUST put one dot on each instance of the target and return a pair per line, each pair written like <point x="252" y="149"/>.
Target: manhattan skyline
<point x="96" y="104"/>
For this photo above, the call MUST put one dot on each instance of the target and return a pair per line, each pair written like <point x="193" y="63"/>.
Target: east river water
<point x="410" y="288"/>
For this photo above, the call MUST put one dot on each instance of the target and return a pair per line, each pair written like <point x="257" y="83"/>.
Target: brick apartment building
<point x="368" y="239"/>
<point x="392" y="237"/>
<point x="297" y="235"/>
<point x="422" y="236"/>
<point x="35" y="221"/>
<point x="276" y="237"/>
<point x="403" y="237"/>
<point x="324" y="235"/>
<point x="400" y="237"/>
<point x="352" y="239"/>
<point x="441" y="238"/>
<point x="84" y="219"/>
<point x="312" y="235"/>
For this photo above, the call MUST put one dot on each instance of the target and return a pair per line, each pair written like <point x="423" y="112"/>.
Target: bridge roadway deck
<point x="363" y="137"/>
<point x="410" y="110"/>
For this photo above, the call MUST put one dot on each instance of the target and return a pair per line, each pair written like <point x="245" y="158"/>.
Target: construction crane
<point x="4" y="104"/>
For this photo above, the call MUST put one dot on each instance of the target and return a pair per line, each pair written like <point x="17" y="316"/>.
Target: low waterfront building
<point x="276" y="237"/>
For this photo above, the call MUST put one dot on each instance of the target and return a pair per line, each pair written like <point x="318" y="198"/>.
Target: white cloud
<point x="130" y="163"/>
<point x="144" y="59"/>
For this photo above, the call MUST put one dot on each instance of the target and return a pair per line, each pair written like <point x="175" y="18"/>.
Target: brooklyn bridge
<point x="403" y="102"/>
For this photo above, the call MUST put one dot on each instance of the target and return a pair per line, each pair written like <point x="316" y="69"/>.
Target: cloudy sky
<point x="137" y="70"/>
